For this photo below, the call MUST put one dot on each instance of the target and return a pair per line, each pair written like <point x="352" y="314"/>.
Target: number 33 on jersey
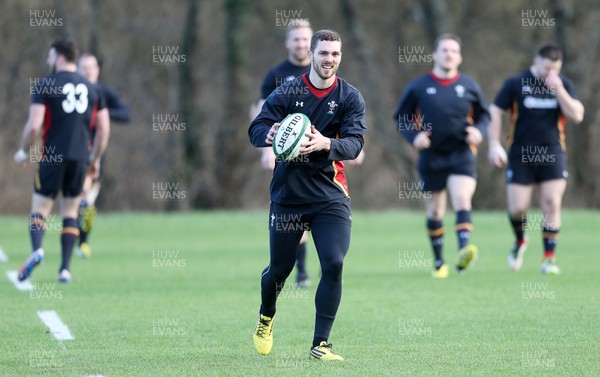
<point x="77" y="98"/>
<point x="71" y="103"/>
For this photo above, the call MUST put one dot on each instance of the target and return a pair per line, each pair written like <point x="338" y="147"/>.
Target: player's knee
<point x="435" y="213"/>
<point x="333" y="270"/>
<point x="282" y="272"/>
<point x="461" y="201"/>
<point x="550" y="205"/>
<point x="518" y="212"/>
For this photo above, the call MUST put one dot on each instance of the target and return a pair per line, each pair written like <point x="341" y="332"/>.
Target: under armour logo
<point x="300" y="103"/>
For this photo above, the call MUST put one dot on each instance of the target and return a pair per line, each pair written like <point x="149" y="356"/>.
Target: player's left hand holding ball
<point x="272" y="133"/>
<point x="20" y="157"/>
<point x="473" y="135"/>
<point x="316" y="142"/>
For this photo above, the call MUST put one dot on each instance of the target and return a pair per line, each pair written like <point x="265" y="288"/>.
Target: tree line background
<point x="200" y="64"/>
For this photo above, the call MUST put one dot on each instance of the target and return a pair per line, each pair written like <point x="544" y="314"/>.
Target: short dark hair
<point x="324" y="35"/>
<point x="445" y="36"/>
<point x="550" y="51"/>
<point x="66" y="48"/>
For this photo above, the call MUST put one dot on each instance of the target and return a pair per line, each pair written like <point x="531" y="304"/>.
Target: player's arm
<point x="497" y="154"/>
<point x="269" y="84"/>
<point x="350" y="139"/>
<point x="406" y="110"/>
<point x="102" y="126"/>
<point x="571" y="108"/>
<point x="267" y="157"/>
<point x="102" y="133"/>
<point x="32" y="127"/>
<point x="263" y="128"/>
<point x="255" y="108"/>
<point x="117" y="109"/>
<point x="481" y="116"/>
<point x="100" y="140"/>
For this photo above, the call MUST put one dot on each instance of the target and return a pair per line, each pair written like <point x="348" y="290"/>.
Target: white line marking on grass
<point x="20" y="285"/>
<point x="3" y="256"/>
<point x="56" y="326"/>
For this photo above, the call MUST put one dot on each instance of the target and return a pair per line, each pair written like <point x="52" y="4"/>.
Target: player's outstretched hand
<point x="473" y="135"/>
<point x="20" y="157"/>
<point x="272" y="133"/>
<point x="422" y="140"/>
<point x="497" y="155"/>
<point x="316" y="142"/>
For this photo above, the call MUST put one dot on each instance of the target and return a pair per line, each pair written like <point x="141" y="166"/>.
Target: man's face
<point x="544" y="66"/>
<point x="447" y="55"/>
<point x="51" y="60"/>
<point x="298" y="42"/>
<point x="326" y="58"/>
<point x="88" y="68"/>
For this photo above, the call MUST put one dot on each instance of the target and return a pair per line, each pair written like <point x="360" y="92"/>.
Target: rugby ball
<point x="290" y="136"/>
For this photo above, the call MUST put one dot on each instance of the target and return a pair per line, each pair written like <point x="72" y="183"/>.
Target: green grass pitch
<point x="178" y="295"/>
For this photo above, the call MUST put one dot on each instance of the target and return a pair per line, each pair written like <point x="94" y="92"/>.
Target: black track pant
<point x="330" y="225"/>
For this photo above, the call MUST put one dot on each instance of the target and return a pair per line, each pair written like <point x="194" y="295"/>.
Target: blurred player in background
<point x="443" y="115"/>
<point x="67" y="105"/>
<point x="540" y="100"/>
<point x="311" y="191"/>
<point x="297" y="43"/>
<point x="119" y="112"/>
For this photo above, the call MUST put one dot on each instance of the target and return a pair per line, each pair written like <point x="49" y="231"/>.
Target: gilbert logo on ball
<point x="290" y="136"/>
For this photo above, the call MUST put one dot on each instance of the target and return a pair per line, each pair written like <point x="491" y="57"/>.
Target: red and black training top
<point x="445" y="107"/>
<point x="338" y="113"/>
<point x="535" y="115"/>
<point x="72" y="103"/>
